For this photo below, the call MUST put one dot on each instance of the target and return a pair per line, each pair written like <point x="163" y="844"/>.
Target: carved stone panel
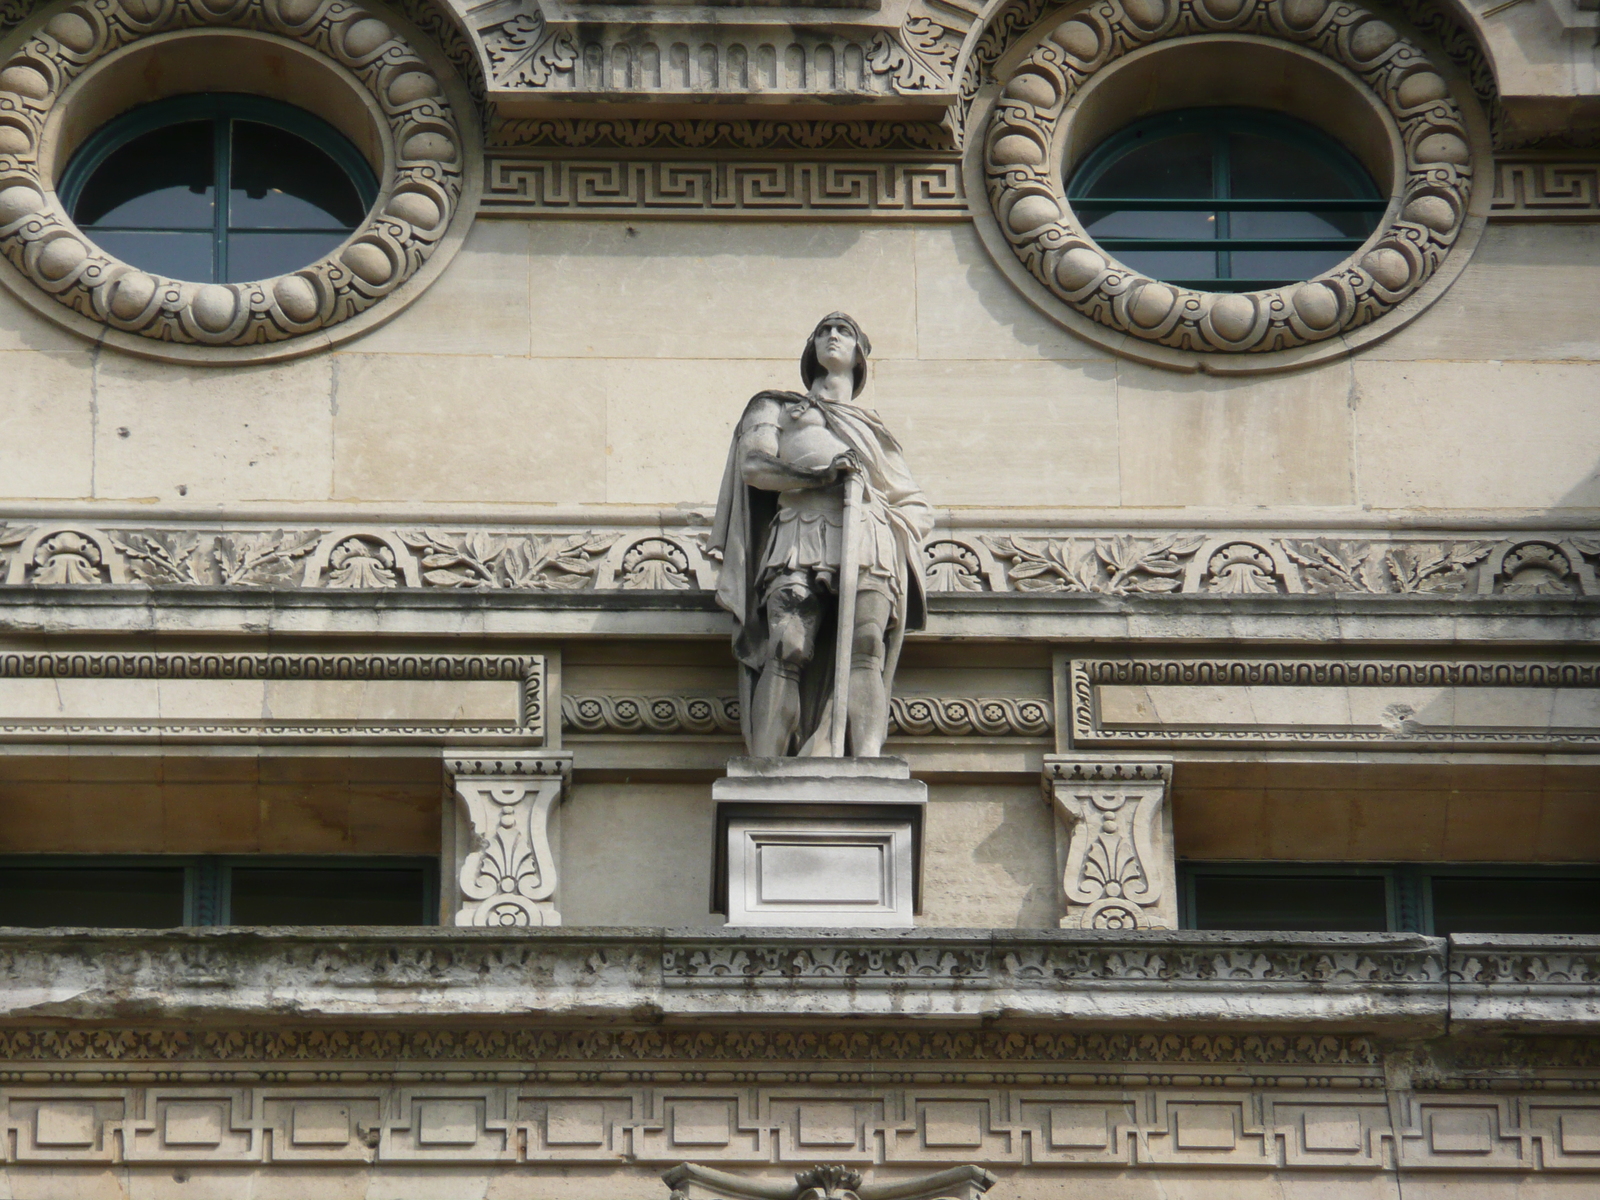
<point x="1308" y="702"/>
<point x="1114" y="843"/>
<point x="504" y="869"/>
<point x="419" y="699"/>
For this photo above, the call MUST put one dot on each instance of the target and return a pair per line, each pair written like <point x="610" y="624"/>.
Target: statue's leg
<point x="793" y="614"/>
<point x="869" y="697"/>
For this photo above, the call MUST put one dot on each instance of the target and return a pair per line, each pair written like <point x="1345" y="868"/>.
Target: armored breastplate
<point x="804" y="438"/>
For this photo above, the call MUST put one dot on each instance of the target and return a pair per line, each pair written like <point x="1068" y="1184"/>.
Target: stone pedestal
<point x="1114" y="844"/>
<point x="818" y="842"/>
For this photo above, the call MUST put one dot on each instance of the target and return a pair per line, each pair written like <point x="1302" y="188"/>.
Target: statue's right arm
<point x="758" y="454"/>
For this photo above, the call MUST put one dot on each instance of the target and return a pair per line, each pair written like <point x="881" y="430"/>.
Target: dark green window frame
<point x="1219" y="122"/>
<point x="221" y="109"/>
<point x="207" y="878"/>
<point x="1408" y="887"/>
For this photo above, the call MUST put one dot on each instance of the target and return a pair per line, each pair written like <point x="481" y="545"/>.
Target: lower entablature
<point x="1348" y="1123"/>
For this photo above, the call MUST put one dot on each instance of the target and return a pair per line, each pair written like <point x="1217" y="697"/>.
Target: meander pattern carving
<point x="1124" y="564"/>
<point x="1024" y="175"/>
<point x="420" y="193"/>
<point x="1540" y="188"/>
<point x="1240" y="1124"/>
<point x="522" y="185"/>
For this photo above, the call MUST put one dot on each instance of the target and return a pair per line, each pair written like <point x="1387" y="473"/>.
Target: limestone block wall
<point x="603" y="363"/>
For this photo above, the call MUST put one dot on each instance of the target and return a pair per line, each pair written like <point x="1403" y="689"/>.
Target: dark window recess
<point x="218" y="188"/>
<point x="1225" y="199"/>
<point x="1291" y="902"/>
<point x="163" y="891"/>
<point x="103" y="896"/>
<point x="1508" y="904"/>
<point x="1422" y="898"/>
<point x="326" y="896"/>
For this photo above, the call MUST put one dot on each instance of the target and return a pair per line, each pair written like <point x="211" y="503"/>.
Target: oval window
<point x="218" y="188"/>
<point x="1225" y="200"/>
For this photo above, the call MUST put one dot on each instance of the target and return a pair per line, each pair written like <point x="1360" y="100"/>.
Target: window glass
<point x="163" y="178"/>
<point x="280" y="181"/>
<point x="327" y="896"/>
<point x="218" y="188"/>
<point x="1497" y="904"/>
<point x="1302" y="903"/>
<point x="108" y="897"/>
<point x="1198" y="198"/>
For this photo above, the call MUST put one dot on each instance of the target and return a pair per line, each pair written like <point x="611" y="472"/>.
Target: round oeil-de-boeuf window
<point x="218" y="188"/>
<point x="1225" y="199"/>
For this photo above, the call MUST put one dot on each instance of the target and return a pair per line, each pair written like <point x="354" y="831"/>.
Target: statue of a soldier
<point x="819" y="514"/>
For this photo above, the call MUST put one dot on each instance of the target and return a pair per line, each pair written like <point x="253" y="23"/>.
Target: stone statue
<point x="819" y="524"/>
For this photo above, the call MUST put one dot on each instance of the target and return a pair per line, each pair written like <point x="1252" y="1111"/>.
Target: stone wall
<point x="567" y="362"/>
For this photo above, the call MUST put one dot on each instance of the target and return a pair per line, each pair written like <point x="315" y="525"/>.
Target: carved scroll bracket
<point x="507" y="873"/>
<point x="1114" y="842"/>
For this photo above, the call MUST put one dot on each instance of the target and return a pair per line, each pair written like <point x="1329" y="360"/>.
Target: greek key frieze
<point x="1537" y="188"/>
<point x="520" y="186"/>
<point x="862" y="1125"/>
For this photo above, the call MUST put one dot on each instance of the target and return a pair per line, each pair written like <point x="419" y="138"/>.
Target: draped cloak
<point x="739" y="534"/>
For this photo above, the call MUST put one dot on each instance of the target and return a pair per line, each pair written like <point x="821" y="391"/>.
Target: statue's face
<point x="836" y="347"/>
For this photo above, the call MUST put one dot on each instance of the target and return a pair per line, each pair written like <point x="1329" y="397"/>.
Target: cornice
<point x="1398" y="983"/>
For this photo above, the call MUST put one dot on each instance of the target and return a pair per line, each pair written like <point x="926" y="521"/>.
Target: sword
<point x="849" y="568"/>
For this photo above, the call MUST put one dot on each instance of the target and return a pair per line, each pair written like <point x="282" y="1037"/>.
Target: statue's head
<point x="836" y="344"/>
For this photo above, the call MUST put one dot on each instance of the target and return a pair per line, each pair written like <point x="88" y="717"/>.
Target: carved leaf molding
<point x="1120" y="564"/>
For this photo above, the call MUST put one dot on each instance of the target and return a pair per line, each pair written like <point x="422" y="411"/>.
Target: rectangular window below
<point x="167" y="891"/>
<point x="1398" y="897"/>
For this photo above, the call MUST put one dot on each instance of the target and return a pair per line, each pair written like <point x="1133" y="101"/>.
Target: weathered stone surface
<point x="1337" y="981"/>
<point x="1523" y="982"/>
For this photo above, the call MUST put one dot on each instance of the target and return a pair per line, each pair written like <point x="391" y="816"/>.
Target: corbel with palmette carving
<point x="1114" y="844"/>
<point x="504" y="870"/>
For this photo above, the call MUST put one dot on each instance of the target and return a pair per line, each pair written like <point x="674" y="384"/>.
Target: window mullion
<point x="206" y="905"/>
<point x="222" y="152"/>
<point x="1222" y="189"/>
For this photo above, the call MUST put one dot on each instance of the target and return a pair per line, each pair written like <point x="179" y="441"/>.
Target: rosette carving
<point x="421" y="185"/>
<point x="1023" y="168"/>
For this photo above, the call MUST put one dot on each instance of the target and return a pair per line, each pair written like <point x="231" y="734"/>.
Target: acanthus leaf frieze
<point x="1144" y="563"/>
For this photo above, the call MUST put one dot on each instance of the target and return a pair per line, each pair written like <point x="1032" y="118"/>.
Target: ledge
<point x="1396" y="984"/>
<point x="1054" y="616"/>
